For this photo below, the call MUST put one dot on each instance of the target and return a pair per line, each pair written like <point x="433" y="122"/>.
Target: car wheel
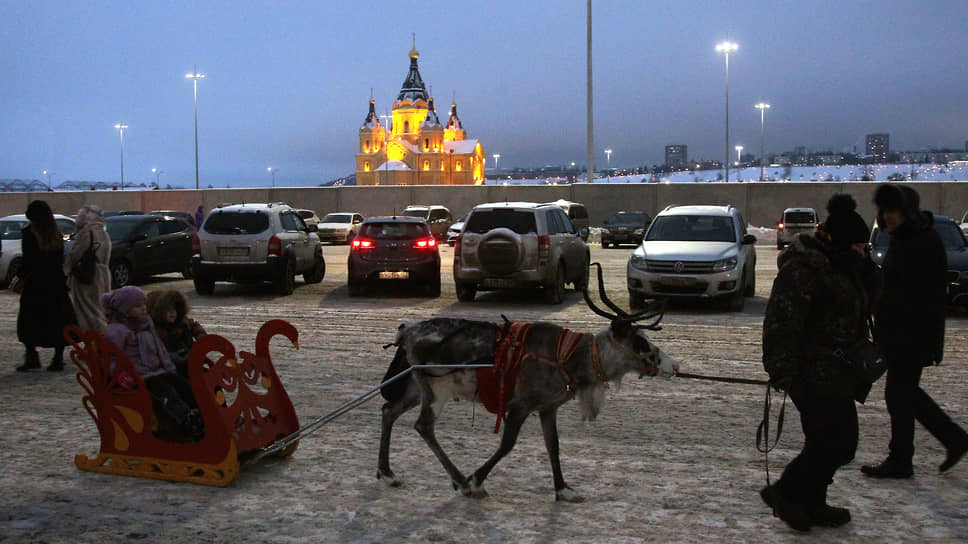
<point x="736" y="301"/>
<point x="204" y="286"/>
<point x="433" y="287"/>
<point x="466" y="292"/>
<point x="187" y="270"/>
<point x="286" y="282"/>
<point x="555" y="292"/>
<point x="636" y="300"/>
<point x="582" y="283"/>
<point x="318" y="271"/>
<point x="779" y="246"/>
<point x="604" y="245"/>
<point x="354" y="288"/>
<point x="751" y="285"/>
<point x="12" y="270"/>
<point x="120" y="274"/>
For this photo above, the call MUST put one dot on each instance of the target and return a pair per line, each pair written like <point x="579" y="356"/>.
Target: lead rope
<point x="763" y="432"/>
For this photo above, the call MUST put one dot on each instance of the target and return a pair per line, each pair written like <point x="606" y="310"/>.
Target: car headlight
<point x="639" y="232"/>
<point x="638" y="262"/>
<point x="725" y="264"/>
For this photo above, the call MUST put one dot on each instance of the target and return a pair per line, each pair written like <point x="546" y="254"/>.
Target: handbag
<point x="866" y="363"/>
<point x="84" y="268"/>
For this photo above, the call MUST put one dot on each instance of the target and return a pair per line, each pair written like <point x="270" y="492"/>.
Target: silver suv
<point x="694" y="251"/>
<point x="438" y="218"/>
<point x="519" y="245"/>
<point x="256" y="242"/>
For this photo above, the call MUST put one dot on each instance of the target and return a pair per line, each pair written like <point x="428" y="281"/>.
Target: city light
<point x="121" y="127"/>
<point x="195" y="76"/>
<point x="762" y="106"/>
<point x="726" y="47"/>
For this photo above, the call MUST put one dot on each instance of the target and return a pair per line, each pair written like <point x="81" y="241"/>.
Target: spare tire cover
<point x="500" y="252"/>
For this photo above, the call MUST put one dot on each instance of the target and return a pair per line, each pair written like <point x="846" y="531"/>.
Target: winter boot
<point x="823" y="514"/>
<point x="57" y="363"/>
<point x="790" y="512"/>
<point x="890" y="468"/>
<point x="955" y="453"/>
<point x="31" y="361"/>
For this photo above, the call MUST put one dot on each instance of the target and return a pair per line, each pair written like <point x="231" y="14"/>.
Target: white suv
<point x="256" y="242"/>
<point x="694" y="251"/>
<point x="519" y="245"/>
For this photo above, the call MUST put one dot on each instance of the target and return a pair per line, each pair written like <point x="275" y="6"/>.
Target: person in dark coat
<point x="45" y="307"/>
<point x="199" y="217"/>
<point x="820" y="303"/>
<point x="910" y="320"/>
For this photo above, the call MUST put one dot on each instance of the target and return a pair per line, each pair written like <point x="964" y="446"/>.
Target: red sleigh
<point x="243" y="404"/>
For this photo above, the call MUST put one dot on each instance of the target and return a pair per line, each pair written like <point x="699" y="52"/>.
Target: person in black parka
<point x="45" y="307"/>
<point x="909" y="322"/>
<point x="819" y="304"/>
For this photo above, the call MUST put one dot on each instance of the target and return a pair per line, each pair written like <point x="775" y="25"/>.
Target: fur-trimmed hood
<point x="807" y="249"/>
<point x="159" y="302"/>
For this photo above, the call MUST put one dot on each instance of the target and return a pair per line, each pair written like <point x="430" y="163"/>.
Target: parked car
<point x="184" y="216"/>
<point x="394" y="249"/>
<point x="577" y="214"/>
<point x="437" y="217"/>
<point x="339" y="227"/>
<point x="11" y="254"/>
<point x="625" y="228"/>
<point x="519" y="245"/>
<point x="694" y="251"/>
<point x="794" y="221"/>
<point x="254" y="243"/>
<point x="455" y="229"/>
<point x="112" y="213"/>
<point x="145" y="245"/>
<point x="308" y="216"/>
<point x="956" y="248"/>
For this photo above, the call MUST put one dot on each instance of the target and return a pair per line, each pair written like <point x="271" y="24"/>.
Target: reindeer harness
<point x="496" y="384"/>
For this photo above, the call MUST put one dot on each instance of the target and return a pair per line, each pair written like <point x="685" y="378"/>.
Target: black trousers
<point x="172" y="396"/>
<point x="830" y="441"/>
<point x="907" y="402"/>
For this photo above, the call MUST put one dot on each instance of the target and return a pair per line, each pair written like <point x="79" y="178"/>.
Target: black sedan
<point x="145" y="245"/>
<point x="394" y="250"/>
<point x="625" y="228"/>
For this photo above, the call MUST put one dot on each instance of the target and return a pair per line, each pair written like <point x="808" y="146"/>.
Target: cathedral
<point x="417" y="149"/>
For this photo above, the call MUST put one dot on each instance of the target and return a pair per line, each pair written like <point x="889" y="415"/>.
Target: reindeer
<point x="554" y="366"/>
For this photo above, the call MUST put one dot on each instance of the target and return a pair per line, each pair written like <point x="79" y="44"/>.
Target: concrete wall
<point x="760" y="203"/>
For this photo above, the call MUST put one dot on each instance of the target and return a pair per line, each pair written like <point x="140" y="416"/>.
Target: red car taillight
<point x="196" y="246"/>
<point x="428" y="243"/>
<point x="544" y="249"/>
<point x="780" y="226"/>
<point x="275" y="246"/>
<point x="359" y="243"/>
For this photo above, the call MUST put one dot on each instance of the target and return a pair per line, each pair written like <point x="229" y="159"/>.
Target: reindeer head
<point x="629" y="336"/>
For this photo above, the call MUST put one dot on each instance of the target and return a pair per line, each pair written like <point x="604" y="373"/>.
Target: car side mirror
<point x="749" y="239"/>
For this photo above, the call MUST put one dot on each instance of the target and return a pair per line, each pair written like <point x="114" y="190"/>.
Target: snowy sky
<point x="288" y="82"/>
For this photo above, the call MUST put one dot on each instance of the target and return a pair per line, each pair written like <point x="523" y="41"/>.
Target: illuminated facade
<point x="418" y="150"/>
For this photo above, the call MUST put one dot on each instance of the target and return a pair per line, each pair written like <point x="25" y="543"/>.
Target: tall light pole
<point x="590" y="149"/>
<point x="121" y="127"/>
<point x="496" y="157"/>
<point x="157" y="174"/>
<point x="195" y="76"/>
<point x="272" y="171"/>
<point x="48" y="173"/>
<point x="726" y="47"/>
<point x="608" y="159"/>
<point x="739" y="154"/>
<point x="762" y="106"/>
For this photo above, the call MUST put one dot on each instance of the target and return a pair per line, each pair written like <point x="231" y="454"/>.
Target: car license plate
<point x="388" y="275"/>
<point x="678" y="281"/>
<point x="498" y="283"/>
<point x="233" y="251"/>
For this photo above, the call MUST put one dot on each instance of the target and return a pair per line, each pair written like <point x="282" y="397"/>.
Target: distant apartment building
<point x="676" y="156"/>
<point x="878" y="146"/>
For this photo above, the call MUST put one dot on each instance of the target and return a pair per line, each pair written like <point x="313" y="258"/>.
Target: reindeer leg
<point x="516" y="417"/>
<point x="391" y="411"/>
<point x="549" y="427"/>
<point x="425" y="426"/>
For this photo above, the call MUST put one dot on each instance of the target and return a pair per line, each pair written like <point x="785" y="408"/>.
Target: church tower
<point x="371" y="151"/>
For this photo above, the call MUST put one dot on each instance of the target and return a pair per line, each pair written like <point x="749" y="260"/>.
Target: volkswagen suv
<point x="519" y="245"/>
<point x="694" y="251"/>
<point x="256" y="242"/>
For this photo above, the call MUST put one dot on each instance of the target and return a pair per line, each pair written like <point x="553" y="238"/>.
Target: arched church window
<point x="366" y="166"/>
<point x="406" y="127"/>
<point x="426" y="165"/>
<point x="457" y="166"/>
<point x="426" y="144"/>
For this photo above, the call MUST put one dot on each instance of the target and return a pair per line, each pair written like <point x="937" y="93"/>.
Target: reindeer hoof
<point x="388" y="478"/>
<point x="568" y="494"/>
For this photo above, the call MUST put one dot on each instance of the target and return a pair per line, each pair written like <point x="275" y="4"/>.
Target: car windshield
<point x="338" y="218"/>
<point x="415" y="213"/>
<point x="481" y="221"/>
<point x="795" y="218"/>
<point x="233" y="222"/>
<point x="691" y="228"/>
<point x="394" y="231"/>
<point x="10" y="230"/>
<point x="121" y="228"/>
<point x="631" y="219"/>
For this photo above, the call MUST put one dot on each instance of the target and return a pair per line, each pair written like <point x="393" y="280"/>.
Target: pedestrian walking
<point x="199" y="216"/>
<point x="86" y="295"/>
<point x="45" y="307"/>
<point x="910" y="322"/>
<point x="819" y="305"/>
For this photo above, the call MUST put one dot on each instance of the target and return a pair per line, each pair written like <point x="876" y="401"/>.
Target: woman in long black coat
<point x="45" y="307"/>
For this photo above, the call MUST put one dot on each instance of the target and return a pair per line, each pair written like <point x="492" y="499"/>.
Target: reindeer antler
<point x="655" y="309"/>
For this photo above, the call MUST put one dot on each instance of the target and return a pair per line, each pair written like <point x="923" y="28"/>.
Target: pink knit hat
<point x="123" y="299"/>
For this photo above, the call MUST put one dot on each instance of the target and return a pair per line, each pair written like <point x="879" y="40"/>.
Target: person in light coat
<point x="87" y="296"/>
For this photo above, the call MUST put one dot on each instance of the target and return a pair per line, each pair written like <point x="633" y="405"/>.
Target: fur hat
<point x="844" y="226"/>
<point x="123" y="299"/>
<point x="891" y="196"/>
<point x="159" y="302"/>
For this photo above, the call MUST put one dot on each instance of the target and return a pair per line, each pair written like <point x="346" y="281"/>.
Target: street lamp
<point x="157" y="174"/>
<point x="739" y="154"/>
<point x="195" y="76"/>
<point x="762" y="106"/>
<point x="726" y="47"/>
<point x="608" y="159"/>
<point x="272" y="171"/>
<point x="48" y="174"/>
<point x="496" y="157"/>
<point x="121" y="127"/>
